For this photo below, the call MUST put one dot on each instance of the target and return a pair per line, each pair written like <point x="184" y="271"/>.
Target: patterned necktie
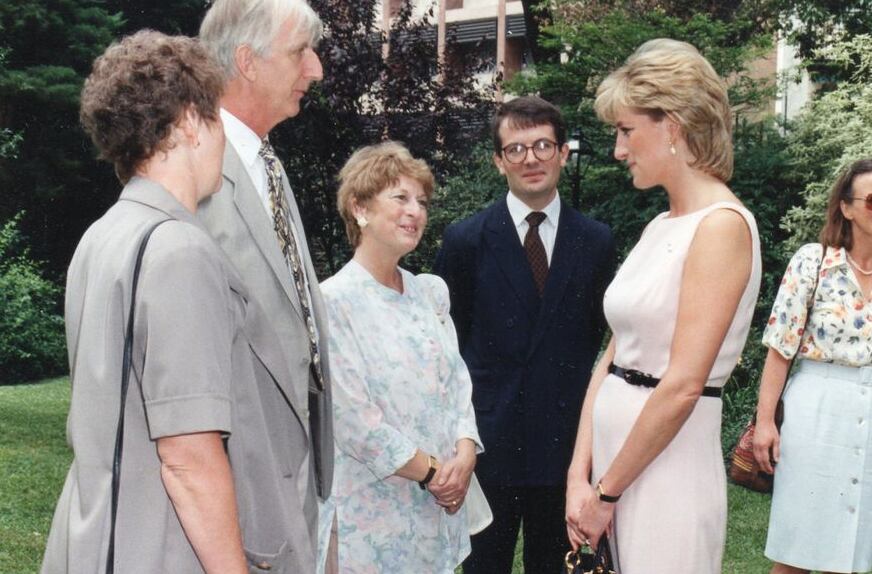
<point x="536" y="250"/>
<point x="288" y="245"/>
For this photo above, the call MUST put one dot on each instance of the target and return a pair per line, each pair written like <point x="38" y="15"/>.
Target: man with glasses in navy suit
<point x="527" y="277"/>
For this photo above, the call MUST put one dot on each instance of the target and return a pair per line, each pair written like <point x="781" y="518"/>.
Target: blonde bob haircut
<point x="668" y="78"/>
<point x="369" y="171"/>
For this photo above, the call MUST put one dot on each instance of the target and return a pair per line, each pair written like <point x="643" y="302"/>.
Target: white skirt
<point x="821" y="517"/>
<point x="673" y="518"/>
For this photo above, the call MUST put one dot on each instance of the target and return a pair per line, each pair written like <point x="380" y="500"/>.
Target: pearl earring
<point x="672" y="149"/>
<point x="361" y="221"/>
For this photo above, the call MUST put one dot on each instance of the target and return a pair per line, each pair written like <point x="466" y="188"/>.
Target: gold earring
<point x="361" y="221"/>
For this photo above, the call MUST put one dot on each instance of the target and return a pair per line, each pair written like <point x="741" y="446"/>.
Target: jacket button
<point x="510" y="323"/>
<point x="264" y="565"/>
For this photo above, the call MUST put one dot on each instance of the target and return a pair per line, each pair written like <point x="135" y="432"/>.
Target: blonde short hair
<point x="369" y="171"/>
<point x="668" y="78"/>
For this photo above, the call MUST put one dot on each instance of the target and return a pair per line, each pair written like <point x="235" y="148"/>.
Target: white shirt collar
<point x="519" y="210"/>
<point x="241" y="137"/>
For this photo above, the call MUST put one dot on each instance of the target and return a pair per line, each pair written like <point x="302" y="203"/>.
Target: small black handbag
<point x="586" y="561"/>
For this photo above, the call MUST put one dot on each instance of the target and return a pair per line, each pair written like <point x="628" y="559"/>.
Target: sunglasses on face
<point x="867" y="200"/>
<point x="543" y="150"/>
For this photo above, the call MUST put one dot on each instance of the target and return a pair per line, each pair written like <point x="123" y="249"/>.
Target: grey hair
<point x="232" y="23"/>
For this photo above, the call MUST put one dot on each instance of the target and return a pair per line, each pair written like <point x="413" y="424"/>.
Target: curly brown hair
<point x="137" y="91"/>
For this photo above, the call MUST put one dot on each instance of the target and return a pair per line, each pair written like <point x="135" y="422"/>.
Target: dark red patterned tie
<point x="536" y="250"/>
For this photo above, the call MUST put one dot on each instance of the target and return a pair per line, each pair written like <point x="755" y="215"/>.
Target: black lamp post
<point x="578" y="147"/>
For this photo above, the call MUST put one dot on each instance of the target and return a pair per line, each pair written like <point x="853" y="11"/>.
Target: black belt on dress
<point x="641" y="379"/>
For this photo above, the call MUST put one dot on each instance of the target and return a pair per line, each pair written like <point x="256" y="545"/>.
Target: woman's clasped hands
<point x="451" y="481"/>
<point x="587" y="517"/>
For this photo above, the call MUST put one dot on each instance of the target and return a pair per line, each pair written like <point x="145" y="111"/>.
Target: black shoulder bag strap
<point x="779" y="407"/>
<point x="125" y="379"/>
<point x="809" y="305"/>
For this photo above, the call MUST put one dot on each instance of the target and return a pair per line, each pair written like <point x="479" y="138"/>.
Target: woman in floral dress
<point x="404" y="424"/>
<point x="821" y="516"/>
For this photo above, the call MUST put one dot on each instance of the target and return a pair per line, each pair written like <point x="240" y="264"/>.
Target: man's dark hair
<point x="528" y="112"/>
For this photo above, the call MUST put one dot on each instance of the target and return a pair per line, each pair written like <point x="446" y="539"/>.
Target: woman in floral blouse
<point x="404" y="424"/>
<point x="821" y="516"/>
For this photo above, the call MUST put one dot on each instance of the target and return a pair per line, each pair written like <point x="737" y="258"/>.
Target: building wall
<point x="459" y="11"/>
<point x="795" y="85"/>
<point x="478" y="9"/>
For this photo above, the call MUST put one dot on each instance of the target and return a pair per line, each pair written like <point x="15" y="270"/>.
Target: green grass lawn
<point x="34" y="459"/>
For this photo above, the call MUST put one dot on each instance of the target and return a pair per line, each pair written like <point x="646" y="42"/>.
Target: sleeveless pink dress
<point x="673" y="517"/>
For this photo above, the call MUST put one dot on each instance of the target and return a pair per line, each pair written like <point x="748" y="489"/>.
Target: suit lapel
<point x="319" y="314"/>
<point x="568" y="250"/>
<point x="259" y="226"/>
<point x="262" y="344"/>
<point x="502" y="239"/>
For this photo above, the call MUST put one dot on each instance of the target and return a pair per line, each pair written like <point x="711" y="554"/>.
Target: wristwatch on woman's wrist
<point x="600" y="493"/>
<point x="431" y="460"/>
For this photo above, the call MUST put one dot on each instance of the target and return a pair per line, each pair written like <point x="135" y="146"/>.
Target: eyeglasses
<point x="543" y="150"/>
<point x="867" y="199"/>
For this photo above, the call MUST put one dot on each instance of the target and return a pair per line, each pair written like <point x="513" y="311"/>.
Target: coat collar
<point x="248" y="204"/>
<point x="501" y="237"/>
<point x="569" y="249"/>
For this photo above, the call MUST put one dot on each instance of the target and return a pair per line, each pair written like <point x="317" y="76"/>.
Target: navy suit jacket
<point x="530" y="357"/>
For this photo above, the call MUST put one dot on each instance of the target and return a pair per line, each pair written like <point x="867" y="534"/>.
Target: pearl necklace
<point x="866" y="272"/>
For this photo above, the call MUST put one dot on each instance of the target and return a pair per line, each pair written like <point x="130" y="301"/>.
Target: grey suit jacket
<point x="235" y="217"/>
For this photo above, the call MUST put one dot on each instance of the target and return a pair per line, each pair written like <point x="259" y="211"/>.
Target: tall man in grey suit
<point x="265" y="48"/>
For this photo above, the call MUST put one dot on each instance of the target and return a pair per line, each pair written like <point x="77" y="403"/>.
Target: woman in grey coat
<point x="205" y="477"/>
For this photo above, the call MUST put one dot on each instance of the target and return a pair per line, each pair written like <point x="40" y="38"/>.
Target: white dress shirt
<point x="247" y="145"/>
<point x="519" y="211"/>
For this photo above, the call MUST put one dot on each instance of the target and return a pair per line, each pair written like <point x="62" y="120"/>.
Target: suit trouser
<point x="541" y="511"/>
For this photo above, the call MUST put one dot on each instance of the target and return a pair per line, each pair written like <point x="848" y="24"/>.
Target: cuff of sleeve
<point x="392" y="460"/>
<point x="188" y="414"/>
<point x="471" y="434"/>
<point x="779" y="345"/>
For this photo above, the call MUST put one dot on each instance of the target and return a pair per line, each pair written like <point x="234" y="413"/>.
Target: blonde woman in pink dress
<point x="648" y="466"/>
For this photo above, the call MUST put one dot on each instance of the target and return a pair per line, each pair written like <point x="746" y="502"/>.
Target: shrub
<point x="31" y="329"/>
<point x="834" y="131"/>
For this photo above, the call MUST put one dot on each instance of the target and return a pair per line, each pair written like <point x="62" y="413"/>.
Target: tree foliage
<point x="175" y="17"/>
<point x="435" y="109"/>
<point x="834" y="131"/>
<point x="31" y="330"/>
<point x="53" y="176"/>
<point x="815" y="24"/>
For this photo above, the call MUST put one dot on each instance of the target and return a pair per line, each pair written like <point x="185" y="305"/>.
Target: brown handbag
<point x="744" y="469"/>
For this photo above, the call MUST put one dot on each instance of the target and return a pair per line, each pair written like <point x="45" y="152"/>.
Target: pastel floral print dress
<point x="399" y="384"/>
